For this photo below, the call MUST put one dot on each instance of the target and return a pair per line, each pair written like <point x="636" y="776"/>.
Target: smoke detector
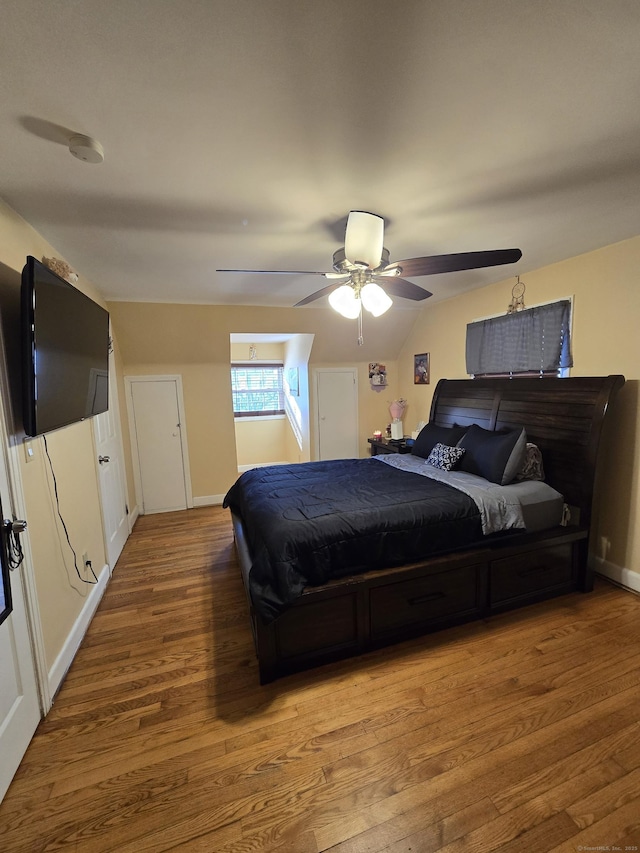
<point x="86" y="149"/>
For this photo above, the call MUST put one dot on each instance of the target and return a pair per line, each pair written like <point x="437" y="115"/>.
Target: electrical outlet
<point x="605" y="544"/>
<point x="29" y="452"/>
<point x="85" y="559"/>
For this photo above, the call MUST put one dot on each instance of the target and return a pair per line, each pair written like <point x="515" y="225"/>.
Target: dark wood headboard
<point x="562" y="416"/>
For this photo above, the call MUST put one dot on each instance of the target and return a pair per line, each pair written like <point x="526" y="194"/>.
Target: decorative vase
<point x="397" y="409"/>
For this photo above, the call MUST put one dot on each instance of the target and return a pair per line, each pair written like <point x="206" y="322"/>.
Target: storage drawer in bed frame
<point x="427" y="600"/>
<point x="368" y="611"/>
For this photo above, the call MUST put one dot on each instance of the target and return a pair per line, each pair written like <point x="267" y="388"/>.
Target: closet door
<point x="159" y="447"/>
<point x="337" y="413"/>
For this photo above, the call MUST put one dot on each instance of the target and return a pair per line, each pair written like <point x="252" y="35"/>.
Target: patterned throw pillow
<point x="445" y="457"/>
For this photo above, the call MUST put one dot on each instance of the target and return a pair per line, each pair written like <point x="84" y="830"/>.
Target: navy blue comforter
<point x="309" y="523"/>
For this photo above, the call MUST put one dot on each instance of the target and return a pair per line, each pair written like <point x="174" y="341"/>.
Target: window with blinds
<point x="533" y="342"/>
<point x="257" y="390"/>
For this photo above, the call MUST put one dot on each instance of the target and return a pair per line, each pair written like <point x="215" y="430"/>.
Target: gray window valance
<point x="533" y="340"/>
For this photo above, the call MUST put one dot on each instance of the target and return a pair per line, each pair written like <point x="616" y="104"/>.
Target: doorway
<point x="19" y="697"/>
<point x="336" y="413"/>
<point x="158" y="442"/>
<point x="111" y="477"/>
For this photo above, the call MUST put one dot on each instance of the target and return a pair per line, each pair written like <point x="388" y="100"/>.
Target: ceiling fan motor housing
<point x="341" y="264"/>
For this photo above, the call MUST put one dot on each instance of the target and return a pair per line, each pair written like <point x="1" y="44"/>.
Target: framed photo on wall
<point x="294" y="382"/>
<point x="377" y="373"/>
<point x="421" y="369"/>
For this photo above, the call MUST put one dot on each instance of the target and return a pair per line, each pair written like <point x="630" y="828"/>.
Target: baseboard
<point x="617" y="574"/>
<point x="208" y="500"/>
<point x="133" y="517"/>
<point x="202" y="500"/>
<point x="64" y="660"/>
<point x="243" y="468"/>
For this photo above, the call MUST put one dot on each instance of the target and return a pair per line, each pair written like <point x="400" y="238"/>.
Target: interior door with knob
<point x="111" y="477"/>
<point x="156" y="414"/>
<point x="337" y="412"/>
<point x="19" y="698"/>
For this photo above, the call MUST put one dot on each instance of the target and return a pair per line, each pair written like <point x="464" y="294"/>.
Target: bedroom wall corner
<point x="617" y="574"/>
<point x="373" y="403"/>
<point x="606" y="303"/>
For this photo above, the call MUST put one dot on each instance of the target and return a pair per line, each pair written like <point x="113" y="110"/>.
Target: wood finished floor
<point x="520" y="733"/>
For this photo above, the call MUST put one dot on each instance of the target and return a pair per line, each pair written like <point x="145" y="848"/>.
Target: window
<point x="533" y="342"/>
<point x="257" y="390"/>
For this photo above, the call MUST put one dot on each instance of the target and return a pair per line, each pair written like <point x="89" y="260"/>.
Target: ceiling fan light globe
<point x="363" y="239"/>
<point x="374" y="299"/>
<point x="345" y="302"/>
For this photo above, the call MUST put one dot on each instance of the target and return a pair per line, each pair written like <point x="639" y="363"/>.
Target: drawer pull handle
<point x="535" y="570"/>
<point x="425" y="599"/>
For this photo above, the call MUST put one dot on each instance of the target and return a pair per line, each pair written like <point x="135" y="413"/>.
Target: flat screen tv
<point x="65" y="340"/>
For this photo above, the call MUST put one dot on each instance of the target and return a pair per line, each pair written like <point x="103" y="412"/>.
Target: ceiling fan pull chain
<point x="360" y="338"/>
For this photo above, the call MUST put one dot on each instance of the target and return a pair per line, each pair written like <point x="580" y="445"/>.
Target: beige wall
<point x="605" y="340"/>
<point x="61" y="595"/>
<point x="297" y="353"/>
<point x="197" y="338"/>
<point x="261" y="441"/>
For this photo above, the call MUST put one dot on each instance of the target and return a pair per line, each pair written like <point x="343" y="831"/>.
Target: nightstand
<point x="386" y="445"/>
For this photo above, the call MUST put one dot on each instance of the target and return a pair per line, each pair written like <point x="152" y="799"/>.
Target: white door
<point x="19" y="700"/>
<point x="113" y="496"/>
<point x="337" y="410"/>
<point x="157" y="435"/>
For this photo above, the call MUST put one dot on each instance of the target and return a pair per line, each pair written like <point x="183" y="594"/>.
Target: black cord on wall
<point x="15" y="554"/>
<point x="55" y="490"/>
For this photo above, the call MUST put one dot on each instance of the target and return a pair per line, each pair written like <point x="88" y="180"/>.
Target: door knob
<point x="102" y="459"/>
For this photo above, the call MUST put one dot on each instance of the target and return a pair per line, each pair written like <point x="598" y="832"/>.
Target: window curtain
<point x="535" y="340"/>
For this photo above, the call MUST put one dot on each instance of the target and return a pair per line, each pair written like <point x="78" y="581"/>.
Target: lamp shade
<point x="363" y="238"/>
<point x="375" y="299"/>
<point x="344" y="300"/>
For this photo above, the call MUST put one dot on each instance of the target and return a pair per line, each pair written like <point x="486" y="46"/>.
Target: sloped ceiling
<point x="240" y="134"/>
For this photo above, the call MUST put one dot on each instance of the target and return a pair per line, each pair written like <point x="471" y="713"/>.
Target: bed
<point x="346" y="556"/>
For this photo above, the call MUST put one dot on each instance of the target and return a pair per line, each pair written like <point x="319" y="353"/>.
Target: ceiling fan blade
<point x="401" y="287"/>
<point x="278" y="272"/>
<point x="453" y="263"/>
<point x="318" y="294"/>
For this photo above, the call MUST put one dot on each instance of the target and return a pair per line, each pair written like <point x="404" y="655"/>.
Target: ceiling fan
<point x="364" y="276"/>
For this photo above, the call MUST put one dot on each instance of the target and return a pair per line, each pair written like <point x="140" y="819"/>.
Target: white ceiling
<point x="239" y="133"/>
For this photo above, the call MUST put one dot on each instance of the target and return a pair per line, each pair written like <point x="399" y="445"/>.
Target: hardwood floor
<point x="521" y="733"/>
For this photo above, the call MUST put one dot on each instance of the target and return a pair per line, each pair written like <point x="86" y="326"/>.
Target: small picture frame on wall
<point x="293" y="381"/>
<point x="377" y="374"/>
<point x="421" y="372"/>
